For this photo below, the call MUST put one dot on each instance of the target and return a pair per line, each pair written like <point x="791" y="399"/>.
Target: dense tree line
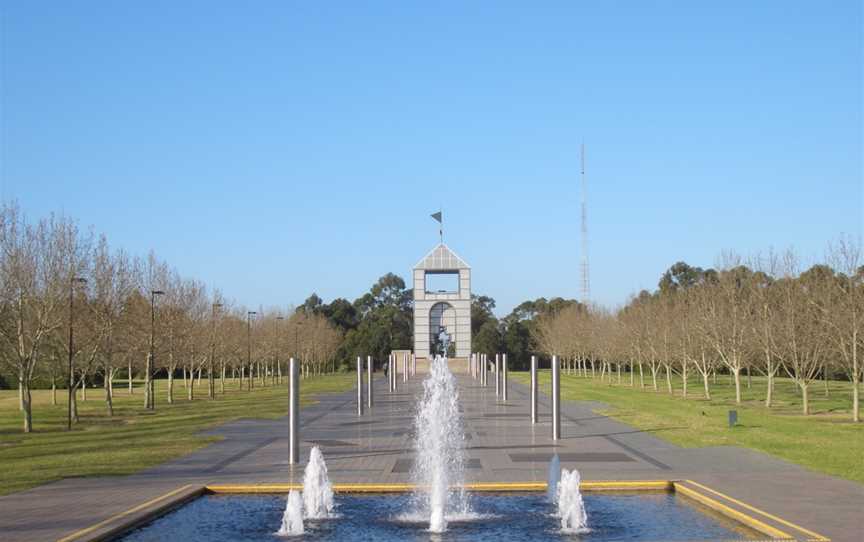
<point x="54" y="276"/>
<point x="767" y="316"/>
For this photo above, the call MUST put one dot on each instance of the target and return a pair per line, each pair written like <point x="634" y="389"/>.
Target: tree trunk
<point x="684" y="379"/>
<point x="222" y="380"/>
<point x="20" y="397"/>
<point x="191" y="389"/>
<point x="769" y="393"/>
<point x="200" y="370"/>
<point x="131" y="391"/>
<point x="737" y="377"/>
<point x="654" y="377"/>
<point x="641" y="376"/>
<point x="705" y="385"/>
<point x="53" y="391"/>
<point x="185" y="382"/>
<point x="109" y="404"/>
<point x="27" y="406"/>
<point x="825" y="380"/>
<point x="856" y="415"/>
<point x="749" y="379"/>
<point x="669" y="380"/>
<point x="75" y="403"/>
<point x="84" y="388"/>
<point x="805" y="399"/>
<point x="171" y="385"/>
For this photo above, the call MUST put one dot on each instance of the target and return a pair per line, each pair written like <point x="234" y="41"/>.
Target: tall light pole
<point x="72" y="282"/>
<point x="249" y="315"/>
<point x="211" y="392"/>
<point x="149" y="388"/>
<point x="278" y="369"/>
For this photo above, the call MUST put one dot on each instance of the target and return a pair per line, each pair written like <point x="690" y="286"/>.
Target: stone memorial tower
<point x="442" y="317"/>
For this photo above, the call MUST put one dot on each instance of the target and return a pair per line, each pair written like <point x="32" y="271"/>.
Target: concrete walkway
<point x="501" y="442"/>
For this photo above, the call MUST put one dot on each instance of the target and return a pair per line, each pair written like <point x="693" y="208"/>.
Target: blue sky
<point x="274" y="149"/>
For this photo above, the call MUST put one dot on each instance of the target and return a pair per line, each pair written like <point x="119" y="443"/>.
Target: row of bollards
<point x="478" y="366"/>
<point x="556" y="395"/>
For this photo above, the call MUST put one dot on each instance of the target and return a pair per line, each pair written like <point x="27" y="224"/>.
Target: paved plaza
<point x="502" y="445"/>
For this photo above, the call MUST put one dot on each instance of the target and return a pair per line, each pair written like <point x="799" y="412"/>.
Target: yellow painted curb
<point x="639" y="485"/>
<point x="741" y="517"/>
<point x="815" y="537"/>
<point x="151" y="502"/>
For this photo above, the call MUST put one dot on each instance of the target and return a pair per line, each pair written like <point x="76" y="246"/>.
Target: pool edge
<point x="736" y="510"/>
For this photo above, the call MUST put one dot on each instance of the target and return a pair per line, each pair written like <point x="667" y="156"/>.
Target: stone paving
<point x="502" y="445"/>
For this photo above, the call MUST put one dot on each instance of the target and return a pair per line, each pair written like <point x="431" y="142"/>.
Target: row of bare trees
<point x="65" y="294"/>
<point x="768" y="316"/>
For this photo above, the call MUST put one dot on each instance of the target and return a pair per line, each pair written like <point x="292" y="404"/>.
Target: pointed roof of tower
<point x="441" y="258"/>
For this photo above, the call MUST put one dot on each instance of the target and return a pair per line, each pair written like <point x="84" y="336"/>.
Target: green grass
<point x="826" y="441"/>
<point x="133" y="439"/>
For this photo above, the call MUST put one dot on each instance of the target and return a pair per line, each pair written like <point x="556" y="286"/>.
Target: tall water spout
<point x="571" y="508"/>
<point x="317" y="491"/>
<point x="292" y="520"/>
<point x="554" y="476"/>
<point x="439" y="445"/>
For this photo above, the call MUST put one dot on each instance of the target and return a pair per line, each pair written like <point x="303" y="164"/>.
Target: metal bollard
<point x="359" y="386"/>
<point x="497" y="375"/>
<point x="293" y="413"/>
<point x="369" y="369"/>
<point x="395" y="373"/>
<point x="533" y="389"/>
<point x="556" y="399"/>
<point x="483" y="370"/>
<point x="504" y="376"/>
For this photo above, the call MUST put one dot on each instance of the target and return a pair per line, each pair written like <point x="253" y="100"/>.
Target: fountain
<point x="316" y="501"/>
<point x="439" y="444"/>
<point x="571" y="509"/>
<point x="292" y="520"/>
<point x="317" y="491"/>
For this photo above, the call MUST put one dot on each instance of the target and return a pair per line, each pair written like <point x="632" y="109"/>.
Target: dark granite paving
<point x="502" y="445"/>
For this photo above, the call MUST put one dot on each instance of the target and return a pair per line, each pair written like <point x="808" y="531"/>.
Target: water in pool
<point x="495" y="517"/>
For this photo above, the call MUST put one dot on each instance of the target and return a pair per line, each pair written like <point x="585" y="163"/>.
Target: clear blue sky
<point x="274" y="149"/>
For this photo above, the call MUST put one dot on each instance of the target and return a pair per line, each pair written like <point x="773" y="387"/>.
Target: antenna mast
<point x="586" y="281"/>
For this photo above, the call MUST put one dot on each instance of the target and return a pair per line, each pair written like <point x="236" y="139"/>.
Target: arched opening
<point x="442" y="329"/>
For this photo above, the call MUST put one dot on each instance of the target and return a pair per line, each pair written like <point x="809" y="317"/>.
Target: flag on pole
<point x="439" y="217"/>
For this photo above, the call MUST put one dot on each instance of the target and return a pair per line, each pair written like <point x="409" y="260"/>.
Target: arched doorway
<point x="442" y="329"/>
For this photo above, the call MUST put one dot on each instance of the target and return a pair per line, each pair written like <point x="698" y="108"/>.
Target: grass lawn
<point x="133" y="439"/>
<point x="826" y="441"/>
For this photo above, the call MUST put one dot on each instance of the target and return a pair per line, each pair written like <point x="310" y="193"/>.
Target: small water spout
<point x="317" y="491"/>
<point x="440" y="449"/>
<point x="554" y="476"/>
<point x="571" y="508"/>
<point x="292" y="520"/>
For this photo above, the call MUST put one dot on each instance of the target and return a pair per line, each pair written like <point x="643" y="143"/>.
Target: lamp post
<point x="149" y="391"/>
<point x="278" y="368"/>
<point x="249" y="315"/>
<point x="211" y="392"/>
<point x="72" y="282"/>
